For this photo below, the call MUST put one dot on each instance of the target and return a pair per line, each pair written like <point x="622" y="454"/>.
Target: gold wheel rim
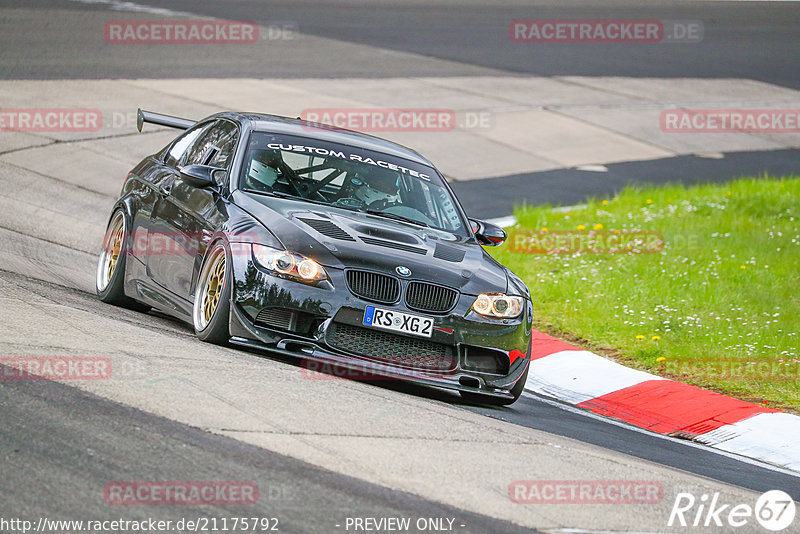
<point x="113" y="249"/>
<point x="113" y="245"/>
<point x="213" y="289"/>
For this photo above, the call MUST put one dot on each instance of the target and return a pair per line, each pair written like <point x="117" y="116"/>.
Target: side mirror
<point x="202" y="176"/>
<point x="488" y="234"/>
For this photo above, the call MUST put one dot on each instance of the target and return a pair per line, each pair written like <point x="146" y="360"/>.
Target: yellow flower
<point x="656" y="338"/>
<point x="581" y="227"/>
<point x="616" y="231"/>
<point x="649" y="201"/>
<point x="544" y="229"/>
<point x="640" y="336"/>
<point x="598" y="226"/>
<point x="743" y="266"/>
<point x="605" y="203"/>
<point x="661" y="359"/>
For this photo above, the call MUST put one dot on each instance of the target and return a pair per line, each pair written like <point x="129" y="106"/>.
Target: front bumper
<point x="330" y="305"/>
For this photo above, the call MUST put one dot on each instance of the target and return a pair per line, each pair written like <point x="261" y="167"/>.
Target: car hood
<point x="340" y="238"/>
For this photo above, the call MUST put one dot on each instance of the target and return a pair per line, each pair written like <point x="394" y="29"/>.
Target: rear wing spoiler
<point x="143" y="116"/>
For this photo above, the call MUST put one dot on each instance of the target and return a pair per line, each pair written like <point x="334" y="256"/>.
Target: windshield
<point x="350" y="178"/>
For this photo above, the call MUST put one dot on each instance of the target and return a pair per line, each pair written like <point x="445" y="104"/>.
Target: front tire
<point x="212" y="297"/>
<point x="110" y="279"/>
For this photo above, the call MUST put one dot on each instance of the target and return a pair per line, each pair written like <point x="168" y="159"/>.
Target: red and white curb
<point x="575" y="376"/>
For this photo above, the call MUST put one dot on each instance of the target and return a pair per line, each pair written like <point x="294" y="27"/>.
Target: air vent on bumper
<point x="485" y="360"/>
<point x="403" y="351"/>
<point x="287" y="320"/>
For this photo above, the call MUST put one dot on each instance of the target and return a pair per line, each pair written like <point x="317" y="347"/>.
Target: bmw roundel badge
<point x="403" y="271"/>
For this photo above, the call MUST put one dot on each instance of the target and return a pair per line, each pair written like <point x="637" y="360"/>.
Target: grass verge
<point x="699" y="284"/>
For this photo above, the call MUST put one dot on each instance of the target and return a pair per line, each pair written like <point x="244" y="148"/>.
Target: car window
<point x="179" y="147"/>
<point x="215" y="146"/>
<point x="350" y="178"/>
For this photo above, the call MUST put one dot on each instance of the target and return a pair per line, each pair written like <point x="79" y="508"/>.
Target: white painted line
<point x="572" y="377"/>
<point x="772" y="437"/>
<point x="576" y="376"/>
<point x="628" y="426"/>
<point x="117" y="5"/>
<point x="592" y="168"/>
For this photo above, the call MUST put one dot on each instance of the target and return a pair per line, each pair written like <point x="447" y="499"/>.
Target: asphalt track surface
<point x="59" y="444"/>
<point x="496" y="197"/>
<point x="79" y="438"/>
<point x="741" y="40"/>
<point x="751" y="40"/>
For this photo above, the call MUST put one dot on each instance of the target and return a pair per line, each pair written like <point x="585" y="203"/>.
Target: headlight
<point x="289" y="264"/>
<point x="498" y="305"/>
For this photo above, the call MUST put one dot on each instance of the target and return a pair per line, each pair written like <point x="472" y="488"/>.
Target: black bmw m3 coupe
<point x="325" y="244"/>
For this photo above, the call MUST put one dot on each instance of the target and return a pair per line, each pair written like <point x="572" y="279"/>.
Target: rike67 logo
<point x="774" y="511"/>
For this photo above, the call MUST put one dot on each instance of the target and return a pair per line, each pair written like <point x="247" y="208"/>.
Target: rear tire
<point x="110" y="278"/>
<point x="212" y="297"/>
<point x="516" y="391"/>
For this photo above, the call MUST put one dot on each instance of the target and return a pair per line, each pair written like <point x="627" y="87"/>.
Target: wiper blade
<point x="397" y="217"/>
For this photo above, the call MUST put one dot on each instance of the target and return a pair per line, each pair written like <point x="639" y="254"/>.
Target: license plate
<point x="415" y="325"/>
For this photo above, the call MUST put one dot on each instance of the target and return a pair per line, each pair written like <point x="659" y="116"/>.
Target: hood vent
<point x="385" y="233"/>
<point x="448" y="253"/>
<point x="394" y="245"/>
<point x="327" y="228"/>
